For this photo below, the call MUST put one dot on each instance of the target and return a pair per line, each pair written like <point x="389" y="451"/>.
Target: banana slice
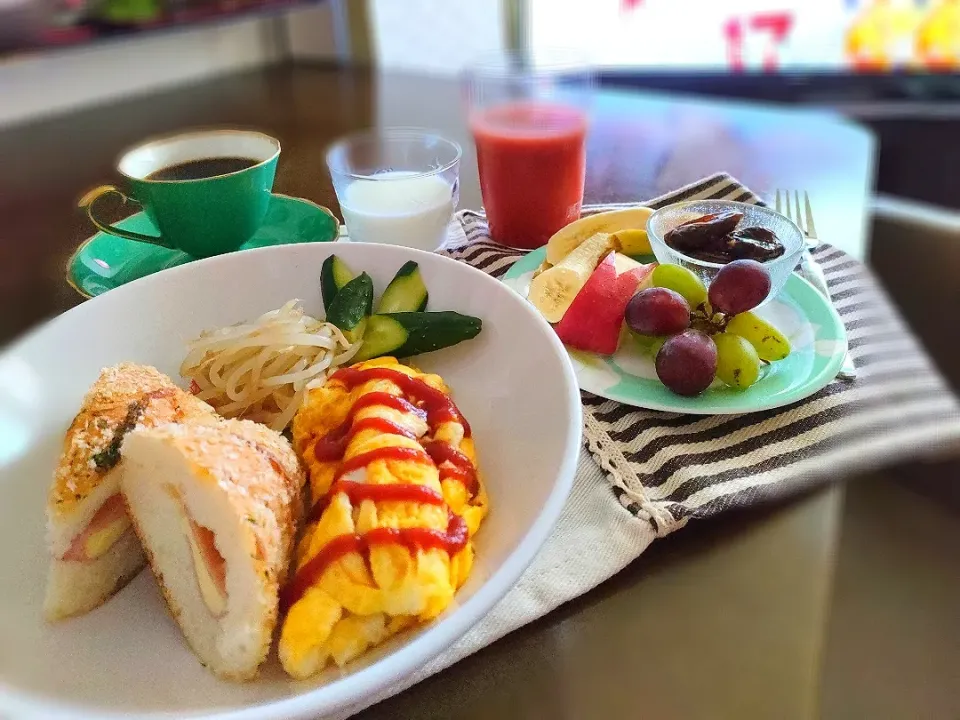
<point x="552" y="291"/>
<point x="634" y="241"/>
<point x="567" y="239"/>
<point x="544" y="266"/>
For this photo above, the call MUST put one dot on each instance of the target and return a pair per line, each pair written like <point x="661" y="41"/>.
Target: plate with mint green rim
<point x="818" y="343"/>
<point x="104" y="262"/>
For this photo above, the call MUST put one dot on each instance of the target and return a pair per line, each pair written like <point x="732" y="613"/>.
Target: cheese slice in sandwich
<point x="216" y="509"/>
<point x="93" y="550"/>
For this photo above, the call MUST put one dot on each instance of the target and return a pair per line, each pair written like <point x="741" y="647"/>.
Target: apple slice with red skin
<point x="594" y="318"/>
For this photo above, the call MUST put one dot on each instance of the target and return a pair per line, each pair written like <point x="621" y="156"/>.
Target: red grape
<point x="687" y="363"/>
<point x="658" y="311"/>
<point x="738" y="287"/>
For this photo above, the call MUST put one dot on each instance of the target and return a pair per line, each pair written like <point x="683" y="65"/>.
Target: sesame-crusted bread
<point x="123" y="396"/>
<point x="215" y="507"/>
<point x="93" y="553"/>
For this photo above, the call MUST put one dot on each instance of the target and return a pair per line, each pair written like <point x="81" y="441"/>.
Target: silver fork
<point x="809" y="269"/>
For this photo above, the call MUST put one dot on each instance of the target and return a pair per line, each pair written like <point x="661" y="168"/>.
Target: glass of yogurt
<point x="396" y="185"/>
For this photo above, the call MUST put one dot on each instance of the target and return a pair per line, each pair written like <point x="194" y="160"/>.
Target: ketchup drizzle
<point x="439" y="407"/>
<point x="358" y="492"/>
<point x="453" y="464"/>
<point x="358" y="462"/>
<point x="332" y="445"/>
<point x="453" y="540"/>
<point x="429" y="404"/>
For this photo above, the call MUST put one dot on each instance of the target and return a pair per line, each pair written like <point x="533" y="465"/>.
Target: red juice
<point x="532" y="160"/>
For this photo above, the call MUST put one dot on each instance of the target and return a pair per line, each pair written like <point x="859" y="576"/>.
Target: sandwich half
<point x="93" y="551"/>
<point x="216" y="509"/>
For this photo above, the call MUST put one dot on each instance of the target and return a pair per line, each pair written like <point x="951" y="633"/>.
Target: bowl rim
<point x="364" y="683"/>
<point x="654" y="237"/>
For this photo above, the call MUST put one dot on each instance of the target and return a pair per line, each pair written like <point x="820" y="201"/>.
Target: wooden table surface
<point x="750" y="593"/>
<point x="639" y="146"/>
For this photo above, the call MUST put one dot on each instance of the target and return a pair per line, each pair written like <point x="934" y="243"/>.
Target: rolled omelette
<point x="396" y="502"/>
<point x="93" y="551"/>
<point x="216" y="508"/>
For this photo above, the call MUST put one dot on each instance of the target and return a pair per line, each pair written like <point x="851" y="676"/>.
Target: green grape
<point x="657" y="344"/>
<point x="649" y="344"/>
<point x="770" y="343"/>
<point x="737" y="362"/>
<point x="681" y="280"/>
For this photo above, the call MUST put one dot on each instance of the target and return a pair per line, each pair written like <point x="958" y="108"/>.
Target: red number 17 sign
<point x="774" y="26"/>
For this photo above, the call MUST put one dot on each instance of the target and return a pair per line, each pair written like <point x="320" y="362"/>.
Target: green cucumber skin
<point x="334" y="276"/>
<point x="352" y="304"/>
<point x="411" y="333"/>
<point x="408" y="268"/>
<point x="406" y="292"/>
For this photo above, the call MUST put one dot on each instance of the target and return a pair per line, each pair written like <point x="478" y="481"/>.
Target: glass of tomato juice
<point x="529" y="124"/>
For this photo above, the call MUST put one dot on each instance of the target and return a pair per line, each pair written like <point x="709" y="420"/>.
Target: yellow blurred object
<point x="569" y="238"/>
<point x="365" y="596"/>
<point x="937" y="40"/>
<point x="873" y="37"/>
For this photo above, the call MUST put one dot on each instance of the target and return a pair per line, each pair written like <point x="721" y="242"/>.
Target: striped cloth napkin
<point x="644" y="474"/>
<point x="670" y="467"/>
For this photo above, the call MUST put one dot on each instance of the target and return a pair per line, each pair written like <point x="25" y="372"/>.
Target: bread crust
<point x="86" y="458"/>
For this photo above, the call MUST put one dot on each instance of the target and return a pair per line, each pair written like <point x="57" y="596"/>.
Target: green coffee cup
<point x="207" y="192"/>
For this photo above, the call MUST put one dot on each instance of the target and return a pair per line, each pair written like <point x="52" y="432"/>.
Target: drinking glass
<point x="396" y="185"/>
<point x="529" y="124"/>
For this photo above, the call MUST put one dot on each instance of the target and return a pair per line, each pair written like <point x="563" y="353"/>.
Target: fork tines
<point x="804" y="219"/>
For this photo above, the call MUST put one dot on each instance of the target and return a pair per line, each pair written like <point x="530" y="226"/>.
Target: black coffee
<point x="203" y="168"/>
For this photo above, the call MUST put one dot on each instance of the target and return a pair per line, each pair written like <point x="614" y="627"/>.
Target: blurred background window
<point x="754" y="35"/>
<point x="707" y="36"/>
<point x="887" y="63"/>
<point x="435" y="36"/>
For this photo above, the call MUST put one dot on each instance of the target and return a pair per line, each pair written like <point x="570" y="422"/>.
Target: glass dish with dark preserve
<point x="719" y="238"/>
<point x="708" y="234"/>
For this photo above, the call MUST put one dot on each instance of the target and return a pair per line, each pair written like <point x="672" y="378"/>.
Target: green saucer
<point x="104" y="262"/>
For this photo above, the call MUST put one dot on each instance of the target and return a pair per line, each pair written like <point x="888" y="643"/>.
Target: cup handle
<point x="89" y="200"/>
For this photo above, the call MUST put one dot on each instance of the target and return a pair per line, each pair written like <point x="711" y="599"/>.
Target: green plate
<point x="104" y="262"/>
<point x="801" y="313"/>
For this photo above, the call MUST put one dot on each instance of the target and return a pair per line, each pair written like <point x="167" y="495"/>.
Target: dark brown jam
<point x="717" y="238"/>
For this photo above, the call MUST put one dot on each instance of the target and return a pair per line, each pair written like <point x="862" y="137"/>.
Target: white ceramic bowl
<point x="513" y="383"/>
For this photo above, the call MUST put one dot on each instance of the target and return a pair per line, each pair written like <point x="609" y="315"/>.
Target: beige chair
<point x="915" y="249"/>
